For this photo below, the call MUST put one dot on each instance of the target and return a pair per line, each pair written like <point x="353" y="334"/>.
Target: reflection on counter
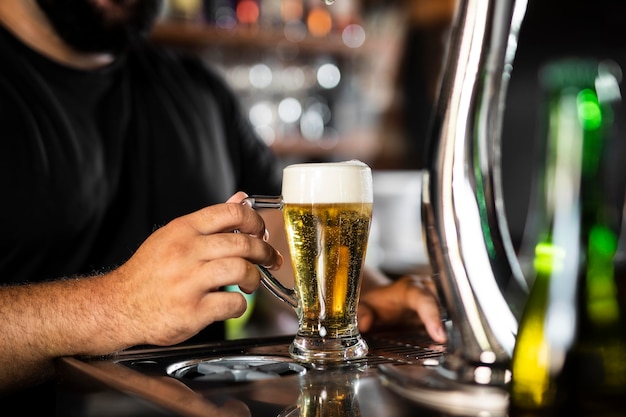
<point x="327" y="393"/>
<point x="253" y="377"/>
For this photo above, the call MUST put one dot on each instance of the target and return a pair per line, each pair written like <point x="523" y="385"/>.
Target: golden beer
<point x="327" y="208"/>
<point x="328" y="244"/>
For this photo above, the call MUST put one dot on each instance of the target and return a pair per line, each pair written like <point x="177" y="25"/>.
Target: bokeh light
<point x="319" y="22"/>
<point x="247" y="11"/>
<point x="353" y="36"/>
<point x="328" y="75"/>
<point x="260" y="76"/>
<point x="289" y="110"/>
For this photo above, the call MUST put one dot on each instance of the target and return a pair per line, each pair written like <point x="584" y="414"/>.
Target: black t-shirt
<point x="92" y="161"/>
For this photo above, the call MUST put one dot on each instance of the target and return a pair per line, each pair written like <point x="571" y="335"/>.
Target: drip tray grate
<point x="249" y="359"/>
<point x="235" y="368"/>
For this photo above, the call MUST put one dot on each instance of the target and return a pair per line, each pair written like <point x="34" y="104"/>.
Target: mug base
<point x="325" y="350"/>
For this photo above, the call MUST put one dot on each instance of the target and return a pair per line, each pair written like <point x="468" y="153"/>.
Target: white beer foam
<point x="328" y="182"/>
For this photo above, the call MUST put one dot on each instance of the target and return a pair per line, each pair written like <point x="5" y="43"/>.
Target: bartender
<point x="116" y="159"/>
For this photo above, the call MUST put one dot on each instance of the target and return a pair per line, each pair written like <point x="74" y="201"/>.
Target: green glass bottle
<point x="570" y="350"/>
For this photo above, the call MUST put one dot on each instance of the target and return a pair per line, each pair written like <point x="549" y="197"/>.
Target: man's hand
<point x="167" y="291"/>
<point x="171" y="285"/>
<point x="411" y="300"/>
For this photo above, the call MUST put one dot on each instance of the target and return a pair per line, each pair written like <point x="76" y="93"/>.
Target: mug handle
<point x="287" y="295"/>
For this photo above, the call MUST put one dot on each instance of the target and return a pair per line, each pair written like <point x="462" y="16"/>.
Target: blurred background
<point x="333" y="80"/>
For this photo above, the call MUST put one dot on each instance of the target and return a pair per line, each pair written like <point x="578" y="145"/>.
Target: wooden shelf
<point x="198" y="36"/>
<point x="358" y="144"/>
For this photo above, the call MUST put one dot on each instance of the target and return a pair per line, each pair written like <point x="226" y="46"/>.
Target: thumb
<point x="237" y="197"/>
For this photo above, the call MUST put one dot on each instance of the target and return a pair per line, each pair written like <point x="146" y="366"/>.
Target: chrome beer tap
<point x="468" y="240"/>
<point x="477" y="272"/>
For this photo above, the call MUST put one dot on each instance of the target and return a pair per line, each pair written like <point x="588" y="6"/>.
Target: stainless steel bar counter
<point x="250" y="377"/>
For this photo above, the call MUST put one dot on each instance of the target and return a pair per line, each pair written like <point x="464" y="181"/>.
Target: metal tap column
<point x="478" y="276"/>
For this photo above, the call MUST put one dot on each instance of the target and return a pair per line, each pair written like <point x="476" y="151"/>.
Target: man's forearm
<point x="45" y="321"/>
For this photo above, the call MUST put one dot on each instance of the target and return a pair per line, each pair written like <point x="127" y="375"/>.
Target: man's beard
<point x="85" y="28"/>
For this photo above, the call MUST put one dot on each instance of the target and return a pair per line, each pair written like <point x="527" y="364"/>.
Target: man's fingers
<point x="226" y="217"/>
<point x="411" y="300"/>
<point x="421" y="297"/>
<point x="229" y="271"/>
<point x="238" y="197"/>
<point x="428" y="310"/>
<point x="223" y="305"/>
<point x="227" y="245"/>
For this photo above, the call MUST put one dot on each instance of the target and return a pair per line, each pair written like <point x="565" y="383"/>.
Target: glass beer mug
<point x="327" y="210"/>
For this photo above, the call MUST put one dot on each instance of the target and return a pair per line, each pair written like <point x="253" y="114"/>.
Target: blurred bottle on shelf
<point x="298" y="18"/>
<point x="271" y="13"/>
<point x="185" y="10"/>
<point x="570" y="352"/>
